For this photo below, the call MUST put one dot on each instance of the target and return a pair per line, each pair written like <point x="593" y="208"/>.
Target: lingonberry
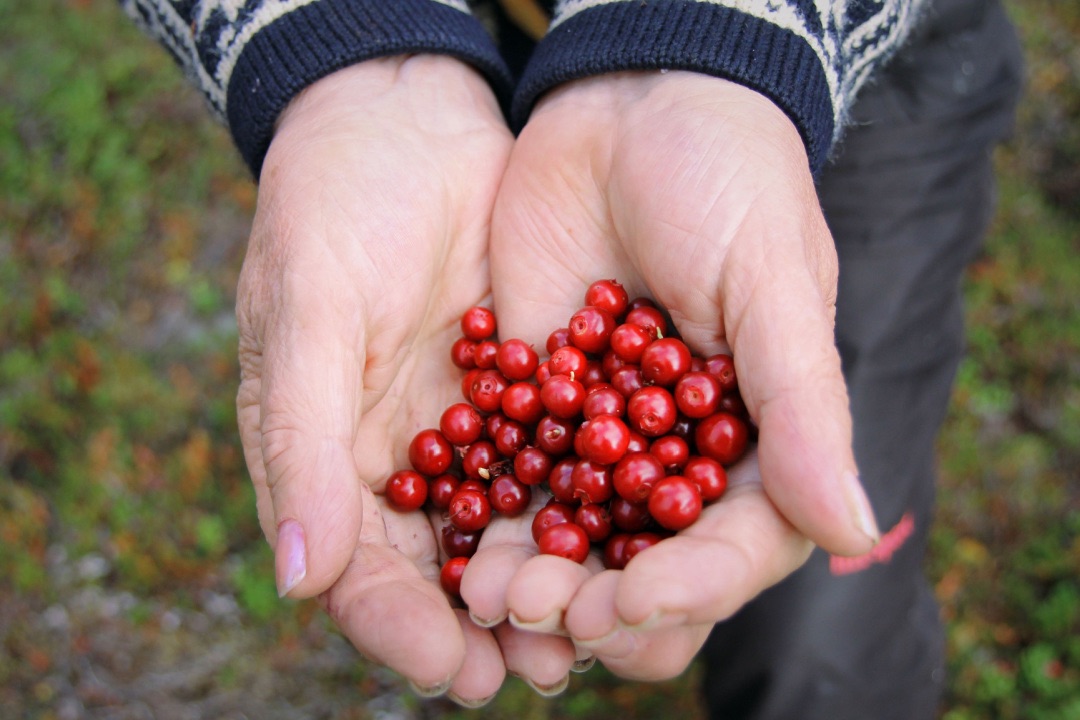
<point x="608" y="295"/>
<point x="467" y="382"/>
<point x="532" y="465"/>
<point x="709" y="476"/>
<point x="591" y="328"/>
<point x="665" y="361"/>
<point x="461" y="424"/>
<point x="732" y="403"/>
<point x="478" y="458"/>
<point x="560" y="480"/>
<point x="675" y="503"/>
<point x="555" y="436"/>
<point x="430" y="453"/>
<point x="638" y="442"/>
<point x="441" y="490"/>
<point x="562" y="396"/>
<point x="672" y="452"/>
<point x="627" y="380"/>
<point x="508" y="495"/>
<point x="638" y="542"/>
<point x="543" y="372"/>
<point x="478" y="323"/>
<point x="554" y="513"/>
<point x="593" y="375"/>
<point x="450" y="576"/>
<point x="568" y="360"/>
<point x="604" y="439"/>
<point x="648" y="317"/>
<point x="516" y="359"/>
<point x="614" y="551"/>
<point x="610" y="363"/>
<point x="510" y="438"/>
<point x="521" y="402"/>
<point x="603" y="399"/>
<point x="634" y="476"/>
<point x="463" y="353"/>
<point x="406" y="490"/>
<point x="470" y="510"/>
<point x="487" y="390"/>
<point x="592" y="482"/>
<point x="486" y="354"/>
<point x="628" y="342"/>
<point x="564" y="540"/>
<point x="721" y="436"/>
<point x="641" y="301"/>
<point x="651" y="411"/>
<point x="627" y="516"/>
<point x="456" y="543"/>
<point x="722" y="366"/>
<point x="697" y="394"/>
<point x="559" y="338"/>
<point x="492" y="424"/>
<point x="595" y="520"/>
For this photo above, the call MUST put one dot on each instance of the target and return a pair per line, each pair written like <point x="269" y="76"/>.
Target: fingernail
<point x="290" y="557"/>
<point x="862" y="515"/>
<point x="485" y="623"/>
<point x="584" y="664"/>
<point x="430" y="692"/>
<point x="552" y="624"/>
<point x="471" y="704"/>
<point x="549" y="690"/>
<point x="657" y="620"/>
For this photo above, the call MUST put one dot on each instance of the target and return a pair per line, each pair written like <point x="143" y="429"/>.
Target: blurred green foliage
<point x="123" y="214"/>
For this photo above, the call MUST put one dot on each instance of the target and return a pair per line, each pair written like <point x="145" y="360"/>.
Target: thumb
<point x="298" y="407"/>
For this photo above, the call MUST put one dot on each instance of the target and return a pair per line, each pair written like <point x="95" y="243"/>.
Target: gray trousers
<point x="908" y="199"/>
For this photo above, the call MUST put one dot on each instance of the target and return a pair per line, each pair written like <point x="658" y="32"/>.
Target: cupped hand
<point x="696" y="192"/>
<point x="369" y="242"/>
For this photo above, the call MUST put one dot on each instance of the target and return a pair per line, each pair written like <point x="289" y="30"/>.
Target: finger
<point x="483" y="670"/>
<point x="542" y="589"/>
<point x="744" y="543"/>
<point x="542" y="661"/>
<point x="391" y="611"/>
<point x="634" y="653"/>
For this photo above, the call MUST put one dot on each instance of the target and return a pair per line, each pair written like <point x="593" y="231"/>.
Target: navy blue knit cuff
<point x="321" y="37"/>
<point x="687" y="35"/>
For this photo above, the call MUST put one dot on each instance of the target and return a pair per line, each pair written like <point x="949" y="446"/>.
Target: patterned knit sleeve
<point x="809" y="56"/>
<point x="251" y="57"/>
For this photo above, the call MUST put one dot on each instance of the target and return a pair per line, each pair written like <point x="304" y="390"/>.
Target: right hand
<point x="369" y="242"/>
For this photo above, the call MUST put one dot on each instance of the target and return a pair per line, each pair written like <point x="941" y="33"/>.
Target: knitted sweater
<point x="251" y="57"/>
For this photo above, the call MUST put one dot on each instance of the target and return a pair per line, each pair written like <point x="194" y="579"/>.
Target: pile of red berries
<point x="625" y="428"/>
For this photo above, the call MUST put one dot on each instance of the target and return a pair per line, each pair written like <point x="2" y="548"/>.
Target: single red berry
<point x="456" y="543"/>
<point x="665" y="361"/>
<point x="450" y="576"/>
<point x="641" y="301"/>
<point x="562" y="396"/>
<point x="532" y="465"/>
<point x="463" y="353"/>
<point x="603" y="399"/>
<point x="697" y="394"/>
<point x="510" y="438"/>
<point x="521" y="402"/>
<point x="591" y="328"/>
<point x="709" y="476"/>
<point x="627" y="516"/>
<point x="441" y="490"/>
<point x="543" y="372"/>
<point x="672" y="452"/>
<point x="611" y="363"/>
<point x="648" y="317"/>
<point x="467" y="382"/>
<point x="634" y="476"/>
<point x="651" y="411"/>
<point x="486" y="354"/>
<point x="558" y="338"/>
<point x="592" y="482"/>
<point x="508" y="495"/>
<point x="461" y="424"/>
<point x="492" y="424"/>
<point x="604" y="439"/>
<point x="560" y="480"/>
<point x="516" y="359"/>
<point x="565" y="540"/>
<point x="406" y="490"/>
<point x="697" y="364"/>
<point x="628" y="380"/>
<point x="608" y="295"/>
<point x="478" y="458"/>
<point x="628" y="342"/>
<point x="430" y="453"/>
<point x="594" y="520"/>
<point x="470" y="510"/>
<point x="555" y="436"/>
<point x="638" y="442"/>
<point x="614" y="551"/>
<point x="593" y="375"/>
<point x="554" y="513"/>
<point x="675" y="503"/>
<point x="722" y="366"/>
<point x="733" y="403"/>
<point x="568" y="361"/>
<point x="639" y="542"/>
<point x="473" y="484"/>
<point x="478" y="323"/>
<point x="721" y="436"/>
<point x="487" y="390"/>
